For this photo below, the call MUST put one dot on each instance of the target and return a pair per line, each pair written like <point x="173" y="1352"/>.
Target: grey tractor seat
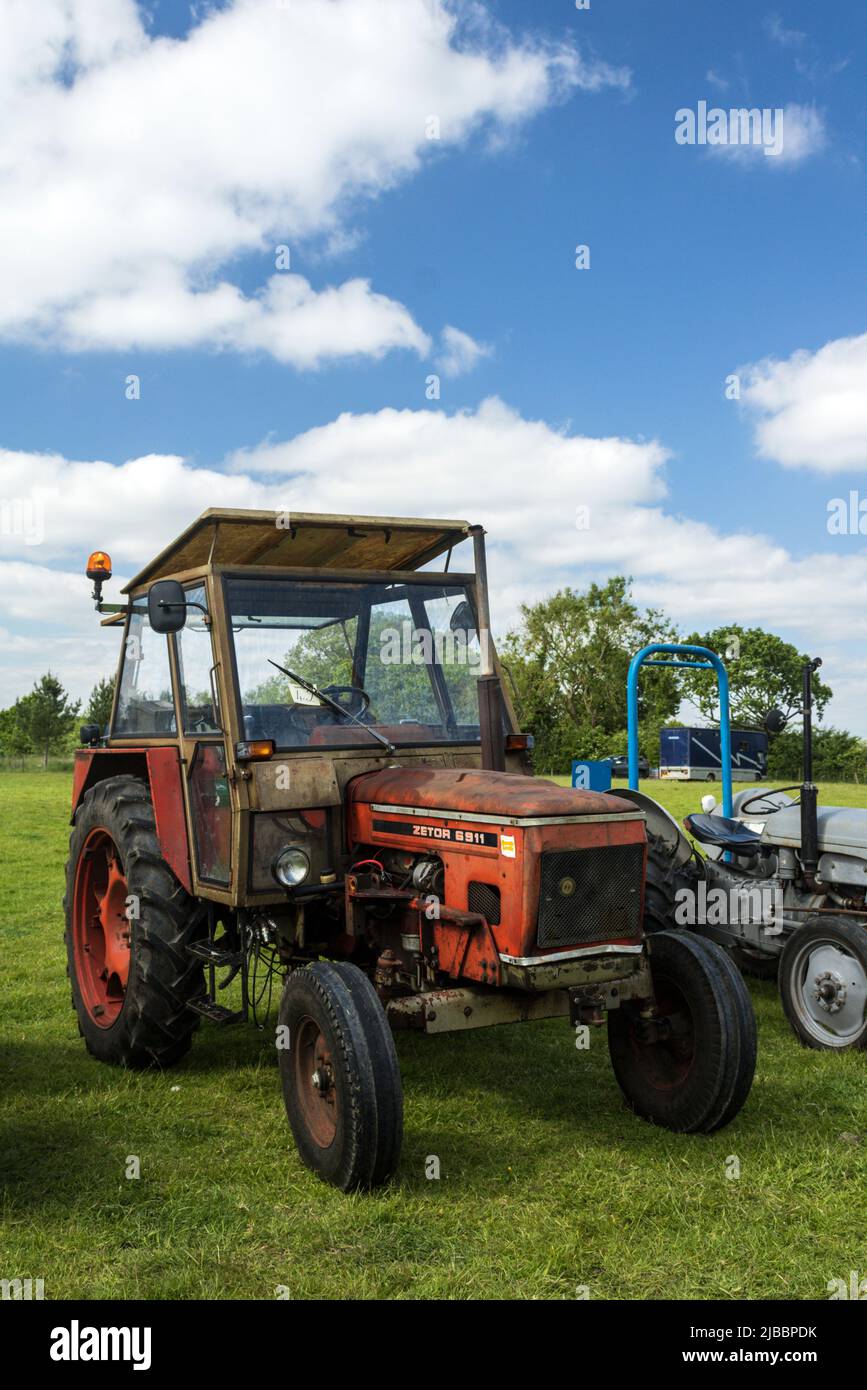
<point x="724" y="833"/>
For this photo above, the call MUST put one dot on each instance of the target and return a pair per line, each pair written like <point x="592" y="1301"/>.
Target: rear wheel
<point x="128" y="922"/>
<point x="340" y="1076"/>
<point x="754" y="963"/>
<point x="689" y="1069"/>
<point x="662" y="880"/>
<point x="659" y="887"/>
<point x="823" y="984"/>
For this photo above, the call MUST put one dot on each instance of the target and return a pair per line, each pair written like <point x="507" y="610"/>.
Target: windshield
<point x="400" y="658"/>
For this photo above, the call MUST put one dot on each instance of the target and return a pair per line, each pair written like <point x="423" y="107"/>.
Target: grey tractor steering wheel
<point x="362" y="699"/>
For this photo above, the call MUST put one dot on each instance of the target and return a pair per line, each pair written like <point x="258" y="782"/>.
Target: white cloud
<point x="811" y="408"/>
<point x="133" y="169"/>
<point x="460" y="352"/>
<point x="786" y="38"/>
<point x="804" y="133"/>
<point x="288" y="319"/>
<point x="795" y="135"/>
<point x="522" y="478"/>
<point x="721" y="83"/>
<point x="131" y="510"/>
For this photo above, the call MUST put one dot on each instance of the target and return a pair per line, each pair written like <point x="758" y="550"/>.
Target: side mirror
<point x="463" y="619"/>
<point x="167" y="606"/>
<point x="775" y="721"/>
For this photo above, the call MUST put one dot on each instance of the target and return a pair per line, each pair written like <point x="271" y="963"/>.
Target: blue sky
<point x="703" y="262"/>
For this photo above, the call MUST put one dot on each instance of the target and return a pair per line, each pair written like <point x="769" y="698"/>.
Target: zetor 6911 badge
<point x="313" y="772"/>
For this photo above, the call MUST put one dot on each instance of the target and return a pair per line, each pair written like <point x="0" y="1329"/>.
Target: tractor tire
<point x="744" y="1056"/>
<point x="128" y="923"/>
<point x="340" y="1076"/>
<point x="823" y="984"/>
<point x="662" y="880"/>
<point x="752" y="963"/>
<point x="694" y="1078"/>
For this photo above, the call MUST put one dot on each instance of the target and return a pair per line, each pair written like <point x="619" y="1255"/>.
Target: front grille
<point x="589" y="895"/>
<point x="484" y="898"/>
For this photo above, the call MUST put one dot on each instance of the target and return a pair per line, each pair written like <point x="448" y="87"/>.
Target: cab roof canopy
<point x="303" y="540"/>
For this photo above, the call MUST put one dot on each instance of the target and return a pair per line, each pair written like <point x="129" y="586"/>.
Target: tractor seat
<point x="724" y="833"/>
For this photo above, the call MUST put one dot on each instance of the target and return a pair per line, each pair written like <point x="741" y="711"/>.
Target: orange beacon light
<point x="98" y="565"/>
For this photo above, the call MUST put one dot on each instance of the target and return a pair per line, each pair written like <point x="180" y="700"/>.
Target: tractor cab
<point x="279" y="657"/>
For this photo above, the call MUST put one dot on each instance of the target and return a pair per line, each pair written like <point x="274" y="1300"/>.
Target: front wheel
<point x="340" y="1076"/>
<point x="823" y="984"/>
<point x="690" y="1067"/>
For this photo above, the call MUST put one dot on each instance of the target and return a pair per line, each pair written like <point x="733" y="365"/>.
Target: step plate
<point x="216" y="1013"/>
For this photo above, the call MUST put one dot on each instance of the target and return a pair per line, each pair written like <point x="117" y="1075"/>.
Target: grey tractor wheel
<point x="662" y="881"/>
<point x="823" y="983"/>
<point x="754" y="963"/>
<point x="128" y="923"/>
<point x="340" y="1076"/>
<point x="691" y="1069"/>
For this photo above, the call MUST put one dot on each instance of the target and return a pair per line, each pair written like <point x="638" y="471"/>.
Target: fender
<point x="161" y="768"/>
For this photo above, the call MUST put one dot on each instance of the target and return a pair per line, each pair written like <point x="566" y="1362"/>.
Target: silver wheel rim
<point x="829" y="992"/>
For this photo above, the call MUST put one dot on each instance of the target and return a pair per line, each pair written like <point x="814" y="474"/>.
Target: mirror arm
<point x="190" y="603"/>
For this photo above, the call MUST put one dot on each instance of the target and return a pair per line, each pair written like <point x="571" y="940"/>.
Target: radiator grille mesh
<point x="589" y="895"/>
<point x="485" y="899"/>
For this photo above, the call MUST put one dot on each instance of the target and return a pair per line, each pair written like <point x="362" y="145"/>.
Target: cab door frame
<point x="191" y="742"/>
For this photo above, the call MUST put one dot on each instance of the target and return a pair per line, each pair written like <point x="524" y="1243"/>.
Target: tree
<point x="763" y="671"/>
<point x="100" y="703"/>
<point x="569" y="661"/>
<point x="838" y="756"/>
<point x="48" y="715"/>
<point x="14" y="735"/>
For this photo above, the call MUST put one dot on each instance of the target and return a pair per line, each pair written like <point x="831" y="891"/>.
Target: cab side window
<point x="145" y="704"/>
<point x="195" y="663"/>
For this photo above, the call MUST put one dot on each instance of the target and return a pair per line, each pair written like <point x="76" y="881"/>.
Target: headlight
<point x="291" y="866"/>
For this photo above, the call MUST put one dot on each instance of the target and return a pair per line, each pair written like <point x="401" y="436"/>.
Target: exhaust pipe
<point x="491" y="735"/>
<point x="809" y="791"/>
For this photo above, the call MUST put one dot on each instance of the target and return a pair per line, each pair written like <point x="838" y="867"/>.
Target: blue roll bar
<point x="710" y="662"/>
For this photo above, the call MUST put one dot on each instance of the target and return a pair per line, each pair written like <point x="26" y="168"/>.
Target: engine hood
<point x="842" y="829"/>
<point x="508" y="797"/>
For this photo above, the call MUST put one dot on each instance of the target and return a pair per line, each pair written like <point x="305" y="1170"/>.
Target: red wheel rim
<point x="667" y="1062"/>
<point x="100" y="928"/>
<point x="314" y="1082"/>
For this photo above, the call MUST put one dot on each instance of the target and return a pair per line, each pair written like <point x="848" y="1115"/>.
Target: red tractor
<point x="313" y="772"/>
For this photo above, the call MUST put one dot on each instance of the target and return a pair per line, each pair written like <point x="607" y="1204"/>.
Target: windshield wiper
<point x="332" y="704"/>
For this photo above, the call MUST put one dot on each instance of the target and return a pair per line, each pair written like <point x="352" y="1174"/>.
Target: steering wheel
<point x="361" y="699"/>
<point x="762" y="796"/>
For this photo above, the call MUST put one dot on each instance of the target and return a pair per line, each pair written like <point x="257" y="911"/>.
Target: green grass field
<point x="547" y="1182"/>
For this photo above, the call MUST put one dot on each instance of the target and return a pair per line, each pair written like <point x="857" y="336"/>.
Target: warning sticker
<point x="507" y="846"/>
